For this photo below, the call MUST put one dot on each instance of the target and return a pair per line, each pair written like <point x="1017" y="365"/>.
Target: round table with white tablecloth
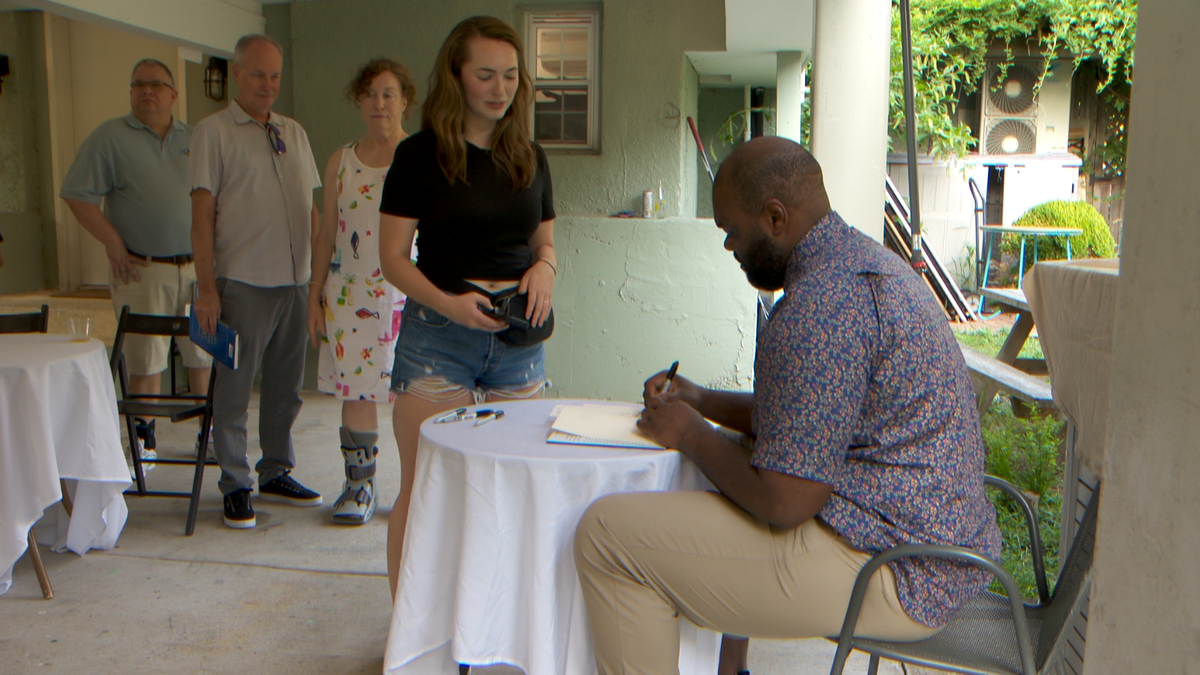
<point x="488" y="573"/>
<point x="58" y="419"/>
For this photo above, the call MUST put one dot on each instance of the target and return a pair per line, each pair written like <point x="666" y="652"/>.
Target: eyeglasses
<point x="276" y="140"/>
<point x="156" y="85"/>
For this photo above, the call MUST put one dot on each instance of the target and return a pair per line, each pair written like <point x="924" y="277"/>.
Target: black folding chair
<point x="993" y="634"/>
<point x="175" y="406"/>
<point x="35" y="322"/>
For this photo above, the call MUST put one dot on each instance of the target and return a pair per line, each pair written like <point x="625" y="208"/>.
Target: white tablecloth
<point x="488" y="573"/>
<point x="1074" y="305"/>
<point x="58" y="419"/>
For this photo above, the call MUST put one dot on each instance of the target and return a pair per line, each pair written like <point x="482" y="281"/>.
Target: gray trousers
<point x="272" y="326"/>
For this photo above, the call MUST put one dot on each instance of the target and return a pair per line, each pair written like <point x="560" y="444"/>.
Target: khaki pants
<point x="643" y="558"/>
<point x="163" y="289"/>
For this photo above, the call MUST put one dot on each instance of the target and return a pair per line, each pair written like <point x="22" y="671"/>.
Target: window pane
<point x="548" y="100"/>
<point x="548" y="127"/>
<point x="574" y="127"/>
<point x="550" y="41"/>
<point x="575" y="100"/>
<point x="575" y="42"/>
<point x="575" y="69"/>
<point x="549" y="69"/>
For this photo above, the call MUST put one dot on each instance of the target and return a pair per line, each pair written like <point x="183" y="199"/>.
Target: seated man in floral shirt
<point x="865" y="437"/>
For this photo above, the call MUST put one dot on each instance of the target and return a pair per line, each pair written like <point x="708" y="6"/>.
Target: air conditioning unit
<point x="1010" y="109"/>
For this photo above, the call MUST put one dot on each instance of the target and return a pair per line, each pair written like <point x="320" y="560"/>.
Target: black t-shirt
<point x="479" y="230"/>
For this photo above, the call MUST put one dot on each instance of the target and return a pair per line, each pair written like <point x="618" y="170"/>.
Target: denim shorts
<point x="432" y="346"/>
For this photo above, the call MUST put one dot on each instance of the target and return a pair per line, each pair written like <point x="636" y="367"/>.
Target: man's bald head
<point x="771" y="167"/>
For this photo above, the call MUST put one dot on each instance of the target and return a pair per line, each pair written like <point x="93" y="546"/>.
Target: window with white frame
<point x="564" y="61"/>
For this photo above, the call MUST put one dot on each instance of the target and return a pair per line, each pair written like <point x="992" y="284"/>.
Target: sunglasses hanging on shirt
<point x="275" y="138"/>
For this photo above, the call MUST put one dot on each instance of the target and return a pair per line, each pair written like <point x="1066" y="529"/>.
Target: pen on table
<point x="670" y="378"/>
<point x="462" y="414"/>
<point x="452" y="416"/>
<point x="483" y="419"/>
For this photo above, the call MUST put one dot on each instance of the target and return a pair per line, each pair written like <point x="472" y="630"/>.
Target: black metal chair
<point x="35" y="322"/>
<point x="993" y="634"/>
<point x="175" y="406"/>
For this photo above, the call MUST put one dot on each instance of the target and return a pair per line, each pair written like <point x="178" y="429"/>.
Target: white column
<point x="851" y="61"/>
<point x="789" y="93"/>
<point x="1146" y="589"/>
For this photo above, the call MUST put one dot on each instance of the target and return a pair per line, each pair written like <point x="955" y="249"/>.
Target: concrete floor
<point x="295" y="596"/>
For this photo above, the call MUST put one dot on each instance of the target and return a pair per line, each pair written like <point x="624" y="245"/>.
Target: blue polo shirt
<point x="859" y="384"/>
<point x="142" y="181"/>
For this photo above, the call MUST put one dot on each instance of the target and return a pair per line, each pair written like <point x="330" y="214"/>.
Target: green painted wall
<point x="27" y="225"/>
<point x="634" y="295"/>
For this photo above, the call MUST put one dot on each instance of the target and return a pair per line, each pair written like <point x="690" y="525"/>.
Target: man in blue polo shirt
<point x="137" y="167"/>
<point x="864" y="437"/>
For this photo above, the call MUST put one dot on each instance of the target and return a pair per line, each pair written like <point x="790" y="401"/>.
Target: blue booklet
<point x="223" y="345"/>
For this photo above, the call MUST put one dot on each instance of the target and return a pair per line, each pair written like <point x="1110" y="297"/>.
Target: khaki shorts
<point x="164" y="289"/>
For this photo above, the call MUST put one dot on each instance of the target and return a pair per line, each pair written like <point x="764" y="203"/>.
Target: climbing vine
<point x="950" y="39"/>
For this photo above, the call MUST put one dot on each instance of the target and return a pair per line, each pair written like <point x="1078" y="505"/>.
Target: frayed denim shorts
<point x="433" y="350"/>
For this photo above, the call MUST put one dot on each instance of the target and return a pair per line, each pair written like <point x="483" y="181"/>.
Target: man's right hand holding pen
<point x="671" y="408"/>
<point x="682" y="406"/>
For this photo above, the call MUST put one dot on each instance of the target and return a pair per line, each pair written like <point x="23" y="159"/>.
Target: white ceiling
<point x="755" y="30"/>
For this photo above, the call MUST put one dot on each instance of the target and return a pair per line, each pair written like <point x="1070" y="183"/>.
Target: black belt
<point x="182" y="259"/>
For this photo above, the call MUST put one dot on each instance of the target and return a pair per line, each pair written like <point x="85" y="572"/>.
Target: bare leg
<point x="145" y="384"/>
<point x="198" y="381"/>
<point x="734" y="651"/>
<point x="360" y="415"/>
<point x="407" y="415"/>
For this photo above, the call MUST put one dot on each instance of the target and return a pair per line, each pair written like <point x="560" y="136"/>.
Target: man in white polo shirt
<point x="137" y="167"/>
<point x="253" y="176"/>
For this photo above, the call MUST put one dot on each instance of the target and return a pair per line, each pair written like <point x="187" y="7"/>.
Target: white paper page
<point x="610" y="423"/>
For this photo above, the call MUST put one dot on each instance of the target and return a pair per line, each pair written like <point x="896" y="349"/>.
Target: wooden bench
<point x="990" y="375"/>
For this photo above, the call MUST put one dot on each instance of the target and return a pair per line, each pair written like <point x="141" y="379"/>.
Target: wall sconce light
<point x="215" y="74"/>
<point x="3" y="70"/>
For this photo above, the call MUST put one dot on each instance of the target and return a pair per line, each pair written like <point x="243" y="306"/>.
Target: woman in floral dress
<point x="353" y="313"/>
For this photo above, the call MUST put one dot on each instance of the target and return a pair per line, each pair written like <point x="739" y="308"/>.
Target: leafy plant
<point x="1096" y="240"/>
<point x="963" y="267"/>
<point x="1024" y="452"/>
<point x="951" y="38"/>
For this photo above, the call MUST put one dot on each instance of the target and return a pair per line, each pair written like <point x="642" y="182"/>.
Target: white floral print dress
<point x="362" y="310"/>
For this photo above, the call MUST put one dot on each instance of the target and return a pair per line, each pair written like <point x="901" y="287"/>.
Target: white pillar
<point x="1146" y="589"/>
<point x="851" y="61"/>
<point x="789" y="93"/>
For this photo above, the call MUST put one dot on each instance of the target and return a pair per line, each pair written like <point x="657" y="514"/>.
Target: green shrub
<point x="1096" y="241"/>
<point x="1024" y="452"/>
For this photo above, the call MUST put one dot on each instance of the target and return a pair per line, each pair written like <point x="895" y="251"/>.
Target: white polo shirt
<point x="264" y="198"/>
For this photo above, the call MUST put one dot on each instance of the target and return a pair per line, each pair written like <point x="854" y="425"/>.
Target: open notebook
<point x="603" y="425"/>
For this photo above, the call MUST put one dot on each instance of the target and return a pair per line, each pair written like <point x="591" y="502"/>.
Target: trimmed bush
<point x="1096" y="241"/>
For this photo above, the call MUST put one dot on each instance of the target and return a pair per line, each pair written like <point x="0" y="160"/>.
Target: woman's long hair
<point x="445" y="109"/>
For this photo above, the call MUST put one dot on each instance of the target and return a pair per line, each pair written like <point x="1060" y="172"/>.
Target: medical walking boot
<point x="357" y="503"/>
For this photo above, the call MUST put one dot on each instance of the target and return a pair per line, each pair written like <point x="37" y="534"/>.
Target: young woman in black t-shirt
<point x="478" y="190"/>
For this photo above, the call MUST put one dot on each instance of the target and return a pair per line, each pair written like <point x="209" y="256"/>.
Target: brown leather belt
<point x="168" y="259"/>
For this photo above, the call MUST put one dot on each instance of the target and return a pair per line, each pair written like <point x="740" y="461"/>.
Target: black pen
<point x="492" y="415"/>
<point x="670" y="377"/>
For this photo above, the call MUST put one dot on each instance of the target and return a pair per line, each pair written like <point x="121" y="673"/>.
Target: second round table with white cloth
<point x="488" y="572"/>
<point x="58" y="419"/>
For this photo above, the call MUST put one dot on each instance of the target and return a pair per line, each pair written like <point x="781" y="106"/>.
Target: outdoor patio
<point x="297" y="595"/>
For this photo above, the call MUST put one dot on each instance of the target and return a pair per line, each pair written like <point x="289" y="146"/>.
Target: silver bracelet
<point x="552" y="267"/>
